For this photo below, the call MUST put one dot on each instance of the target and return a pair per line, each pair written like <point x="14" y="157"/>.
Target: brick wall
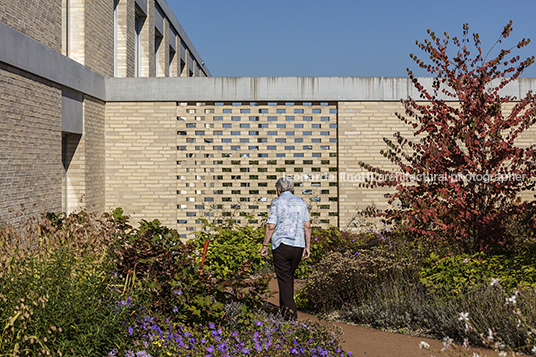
<point x="94" y="111"/>
<point x="91" y="35"/>
<point x="99" y="39"/>
<point x="230" y="156"/>
<point x="74" y="199"/>
<point x="30" y="137"/>
<point x="362" y="127"/>
<point x="126" y="37"/>
<point x="148" y="58"/>
<point x="38" y="19"/>
<point x="141" y="160"/>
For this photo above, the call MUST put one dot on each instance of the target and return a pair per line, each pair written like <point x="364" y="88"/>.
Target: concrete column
<point x="76" y="30"/>
<point x="163" y="52"/>
<point x="147" y="43"/>
<point x="174" y="62"/>
<point x="186" y="70"/>
<point x="126" y="35"/>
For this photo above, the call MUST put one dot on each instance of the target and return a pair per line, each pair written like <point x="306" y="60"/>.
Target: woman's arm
<point x="269" y="230"/>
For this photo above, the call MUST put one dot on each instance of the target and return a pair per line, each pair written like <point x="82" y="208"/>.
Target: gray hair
<point x="285" y="184"/>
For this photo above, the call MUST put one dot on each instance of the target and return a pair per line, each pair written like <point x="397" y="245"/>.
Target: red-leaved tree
<point x="465" y="169"/>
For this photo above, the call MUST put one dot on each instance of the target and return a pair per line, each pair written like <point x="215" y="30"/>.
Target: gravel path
<point x="367" y="342"/>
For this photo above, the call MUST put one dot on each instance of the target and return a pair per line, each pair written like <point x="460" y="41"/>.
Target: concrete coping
<point x="322" y="89"/>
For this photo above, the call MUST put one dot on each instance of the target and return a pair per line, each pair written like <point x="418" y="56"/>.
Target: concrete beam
<point x="254" y="89"/>
<point x="23" y="52"/>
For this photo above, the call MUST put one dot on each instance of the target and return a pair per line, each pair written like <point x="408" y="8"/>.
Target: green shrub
<point x="340" y="280"/>
<point x="454" y="273"/>
<point x="403" y="305"/>
<point x="325" y="241"/>
<point x="230" y="247"/>
<point x="54" y="295"/>
<point x="166" y="278"/>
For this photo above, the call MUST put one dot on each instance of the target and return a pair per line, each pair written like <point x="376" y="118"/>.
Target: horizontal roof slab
<point x="228" y="89"/>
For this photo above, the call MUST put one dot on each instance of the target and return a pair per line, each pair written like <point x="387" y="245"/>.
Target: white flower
<point x="475" y="354"/>
<point x="494" y="282"/>
<point x="464" y="316"/>
<point x="490" y="335"/>
<point x="533" y="350"/>
<point x="447" y="343"/>
<point x="511" y="300"/>
<point x="466" y="343"/>
<point x="423" y="344"/>
<point x="502" y="353"/>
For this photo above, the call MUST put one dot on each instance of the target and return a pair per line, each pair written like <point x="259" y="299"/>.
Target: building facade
<point x="86" y="123"/>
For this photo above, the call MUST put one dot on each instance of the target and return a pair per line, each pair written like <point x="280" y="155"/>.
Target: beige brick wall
<point x="148" y="58"/>
<point x="76" y="32"/>
<point x="38" y="19"/>
<point x="362" y="127"/>
<point x="99" y="39"/>
<point x="30" y="138"/>
<point x="75" y="198"/>
<point x="84" y="158"/>
<point x="141" y="160"/>
<point x="126" y="37"/>
<point x="94" y="112"/>
<point x="91" y="35"/>
<point x="230" y="156"/>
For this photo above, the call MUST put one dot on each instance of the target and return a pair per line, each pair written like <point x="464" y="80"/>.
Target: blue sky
<point x="339" y="37"/>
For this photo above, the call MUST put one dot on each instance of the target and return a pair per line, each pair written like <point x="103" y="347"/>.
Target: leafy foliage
<point x="54" y="296"/>
<point x="156" y="267"/>
<point x="344" y="280"/>
<point x="455" y="273"/>
<point x="229" y="246"/>
<point x="265" y="337"/>
<point x="465" y="167"/>
<point x="405" y="306"/>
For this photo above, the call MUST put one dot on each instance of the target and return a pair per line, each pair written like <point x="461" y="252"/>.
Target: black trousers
<point x="286" y="260"/>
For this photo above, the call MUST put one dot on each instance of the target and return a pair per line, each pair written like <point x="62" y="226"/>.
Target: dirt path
<point x="366" y="342"/>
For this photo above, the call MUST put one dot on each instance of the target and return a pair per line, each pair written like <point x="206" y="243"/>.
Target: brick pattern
<point x="94" y="112"/>
<point x="30" y="138"/>
<point x="77" y="31"/>
<point x="126" y="37"/>
<point x="99" y="38"/>
<point x="91" y="35"/>
<point x="75" y="174"/>
<point x="148" y="58"/>
<point x="230" y="156"/>
<point x="141" y="154"/>
<point x="38" y="19"/>
<point x="362" y="127"/>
